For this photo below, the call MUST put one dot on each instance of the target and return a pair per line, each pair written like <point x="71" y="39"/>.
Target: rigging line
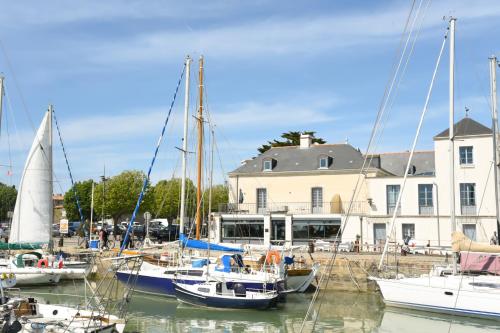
<point x="417" y="134"/>
<point x="373" y="134"/>
<point x="389" y="98"/>
<point x="80" y="212"/>
<point x="16" y="83"/>
<point x="402" y="75"/>
<point x="146" y="179"/>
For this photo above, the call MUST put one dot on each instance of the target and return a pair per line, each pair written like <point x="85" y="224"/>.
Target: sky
<point x="110" y="68"/>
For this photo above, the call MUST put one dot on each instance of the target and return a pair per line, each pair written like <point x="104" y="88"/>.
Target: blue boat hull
<point x="186" y="296"/>
<point x="164" y="285"/>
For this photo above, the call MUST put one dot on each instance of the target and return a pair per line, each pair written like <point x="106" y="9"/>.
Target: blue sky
<point x="110" y="69"/>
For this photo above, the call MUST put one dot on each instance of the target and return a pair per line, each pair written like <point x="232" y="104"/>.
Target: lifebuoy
<point x="273" y="257"/>
<point x="43" y="263"/>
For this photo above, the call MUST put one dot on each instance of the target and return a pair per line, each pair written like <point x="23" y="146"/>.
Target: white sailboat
<point x="31" y="226"/>
<point x="441" y="290"/>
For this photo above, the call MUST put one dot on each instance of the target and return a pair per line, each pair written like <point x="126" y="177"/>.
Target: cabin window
<point x="204" y="290"/>
<point x="268" y="165"/>
<point x="466" y="155"/>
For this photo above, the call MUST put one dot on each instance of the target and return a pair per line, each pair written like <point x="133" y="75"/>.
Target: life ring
<point x="273" y="257"/>
<point x="43" y="263"/>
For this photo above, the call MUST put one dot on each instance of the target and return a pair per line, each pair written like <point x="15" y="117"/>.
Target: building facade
<point x="302" y="193"/>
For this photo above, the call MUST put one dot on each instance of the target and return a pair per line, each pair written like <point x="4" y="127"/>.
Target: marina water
<point x="339" y="312"/>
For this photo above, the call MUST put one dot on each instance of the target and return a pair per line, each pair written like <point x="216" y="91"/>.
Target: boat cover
<point x="480" y="262"/>
<point x="202" y="245"/>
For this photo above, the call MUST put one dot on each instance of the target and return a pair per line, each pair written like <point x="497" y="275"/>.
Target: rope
<point x="146" y="179"/>
<point x="80" y="212"/>
<point x="415" y="140"/>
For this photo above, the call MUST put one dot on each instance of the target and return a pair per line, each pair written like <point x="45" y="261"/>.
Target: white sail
<point x="33" y="213"/>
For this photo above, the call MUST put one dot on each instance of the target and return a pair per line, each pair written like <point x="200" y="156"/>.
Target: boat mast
<point x="91" y="211"/>
<point x="494" y="128"/>
<point x="452" y="132"/>
<point x="51" y="190"/>
<point x="185" y="147"/>
<point x="200" y="151"/>
<point x="1" y="101"/>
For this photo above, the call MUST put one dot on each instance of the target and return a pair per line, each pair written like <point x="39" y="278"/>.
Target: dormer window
<point x="268" y="164"/>
<point x="325" y="161"/>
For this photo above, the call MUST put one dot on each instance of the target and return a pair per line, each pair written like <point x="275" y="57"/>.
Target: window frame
<point x="423" y="203"/>
<point x="315" y="204"/>
<point x="325" y="160"/>
<point x="390" y="208"/>
<point x="265" y="162"/>
<point x="466" y="155"/>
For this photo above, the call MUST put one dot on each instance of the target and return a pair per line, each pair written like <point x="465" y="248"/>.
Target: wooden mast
<point x="200" y="151"/>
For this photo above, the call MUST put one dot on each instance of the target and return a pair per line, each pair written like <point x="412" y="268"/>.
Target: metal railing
<point x="358" y="207"/>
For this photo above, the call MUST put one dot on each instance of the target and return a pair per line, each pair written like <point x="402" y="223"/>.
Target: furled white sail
<point x="33" y="213"/>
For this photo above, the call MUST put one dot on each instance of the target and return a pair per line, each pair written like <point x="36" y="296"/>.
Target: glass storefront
<point x="305" y="230"/>
<point x="243" y="231"/>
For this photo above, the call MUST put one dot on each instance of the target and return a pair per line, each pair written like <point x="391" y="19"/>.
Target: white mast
<point x="51" y="172"/>
<point x="494" y="128"/>
<point x="1" y="100"/>
<point x="452" y="133"/>
<point x="92" y="212"/>
<point x="184" y="147"/>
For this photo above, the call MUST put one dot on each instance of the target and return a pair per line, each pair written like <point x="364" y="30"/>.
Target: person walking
<point x="494" y="239"/>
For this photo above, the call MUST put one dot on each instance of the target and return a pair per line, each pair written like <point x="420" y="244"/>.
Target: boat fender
<point x="4" y="276"/>
<point x="43" y="263"/>
<point x="239" y="290"/>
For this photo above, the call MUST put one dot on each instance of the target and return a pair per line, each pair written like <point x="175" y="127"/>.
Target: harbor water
<point x="339" y="312"/>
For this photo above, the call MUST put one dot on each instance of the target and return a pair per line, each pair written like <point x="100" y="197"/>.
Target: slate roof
<point x="465" y="127"/>
<point x="293" y="159"/>
<point x="395" y="163"/>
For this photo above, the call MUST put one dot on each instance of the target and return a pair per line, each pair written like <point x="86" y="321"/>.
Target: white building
<point x="299" y="193"/>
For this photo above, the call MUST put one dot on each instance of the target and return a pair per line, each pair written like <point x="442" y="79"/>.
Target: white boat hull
<point x="476" y="296"/>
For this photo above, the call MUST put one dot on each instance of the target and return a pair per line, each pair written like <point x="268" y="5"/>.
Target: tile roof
<point x="465" y="127"/>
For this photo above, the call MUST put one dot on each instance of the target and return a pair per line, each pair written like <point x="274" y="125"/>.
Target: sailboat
<point x="31" y="227"/>
<point x="160" y="280"/>
<point x="445" y="290"/>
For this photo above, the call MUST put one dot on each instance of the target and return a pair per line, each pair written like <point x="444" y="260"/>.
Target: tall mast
<point x="200" y="151"/>
<point x="51" y="190"/>
<point x="1" y="101"/>
<point x="452" y="132"/>
<point x="185" y="146"/>
<point x="494" y="128"/>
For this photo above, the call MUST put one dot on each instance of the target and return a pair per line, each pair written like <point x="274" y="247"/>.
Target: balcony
<point x="358" y="208"/>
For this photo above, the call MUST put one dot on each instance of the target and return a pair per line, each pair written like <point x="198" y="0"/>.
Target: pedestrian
<point x="494" y="239"/>
<point x="101" y="238"/>
<point x="105" y="238"/>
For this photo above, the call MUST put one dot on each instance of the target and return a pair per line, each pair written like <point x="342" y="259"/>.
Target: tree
<point x="167" y="194"/>
<point x="220" y="195"/>
<point x="121" y="193"/>
<point x="8" y="195"/>
<point x="84" y="192"/>
<point x="292" y="138"/>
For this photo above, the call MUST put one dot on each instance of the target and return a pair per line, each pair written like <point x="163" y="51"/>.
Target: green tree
<point x="84" y="192"/>
<point x="167" y="194"/>
<point x="291" y="138"/>
<point x="8" y="196"/>
<point x="121" y="193"/>
<point x="220" y="195"/>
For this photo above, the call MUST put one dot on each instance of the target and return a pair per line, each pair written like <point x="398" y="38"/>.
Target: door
<point x="379" y="233"/>
<point x="261" y="200"/>
<point x="317" y="200"/>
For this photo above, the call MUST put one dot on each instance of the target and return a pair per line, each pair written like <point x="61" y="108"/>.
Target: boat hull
<point x="189" y="297"/>
<point x="477" y="296"/>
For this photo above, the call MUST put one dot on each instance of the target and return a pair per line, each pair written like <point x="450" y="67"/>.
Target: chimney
<point x="305" y="141"/>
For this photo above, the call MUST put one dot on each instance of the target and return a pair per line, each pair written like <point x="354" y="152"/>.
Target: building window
<point x="425" y="204"/>
<point x="261" y="200"/>
<point x="323" y="162"/>
<point x="468" y="198"/>
<point x="303" y="230"/>
<point x="243" y="230"/>
<point x="408" y="230"/>
<point x="317" y="199"/>
<point x="466" y="155"/>
<point x="392" y="198"/>
<point x="469" y="231"/>
<point x="268" y="165"/>
<point x="278" y="230"/>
